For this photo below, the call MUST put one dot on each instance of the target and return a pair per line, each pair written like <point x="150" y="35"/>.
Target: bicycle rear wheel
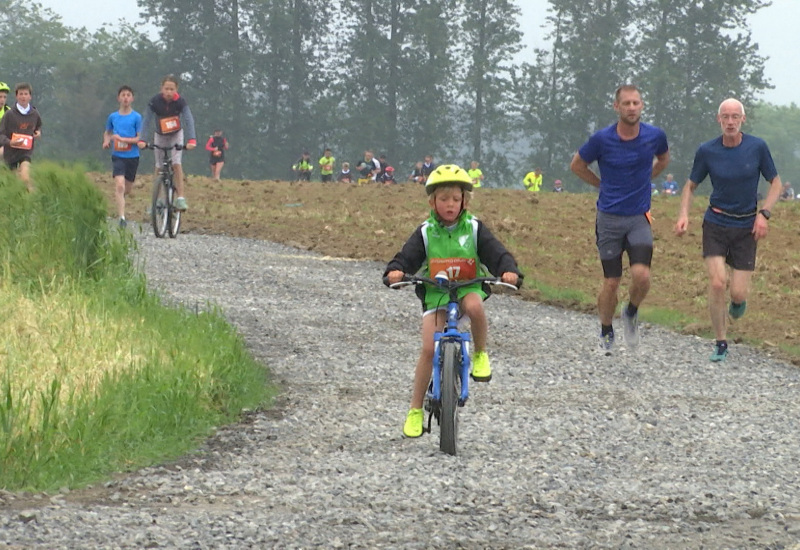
<point x="174" y="225"/>
<point x="159" y="209"/>
<point x="451" y="391"/>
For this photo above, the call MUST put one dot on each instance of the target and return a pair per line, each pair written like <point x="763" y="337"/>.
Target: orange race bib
<point x="27" y="141"/>
<point x="170" y="124"/>
<point x="121" y="145"/>
<point x="457" y="269"/>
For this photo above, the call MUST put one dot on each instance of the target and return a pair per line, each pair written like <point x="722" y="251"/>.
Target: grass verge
<point x="98" y="375"/>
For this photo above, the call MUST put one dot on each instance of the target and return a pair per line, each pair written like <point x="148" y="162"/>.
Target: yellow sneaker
<point x="481" y="371"/>
<point x="413" y="425"/>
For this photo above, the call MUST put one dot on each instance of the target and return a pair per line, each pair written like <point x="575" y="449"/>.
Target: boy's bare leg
<point x="472" y="306"/>
<point x="24" y="172"/>
<point x="422" y="373"/>
<point x="120" y="191"/>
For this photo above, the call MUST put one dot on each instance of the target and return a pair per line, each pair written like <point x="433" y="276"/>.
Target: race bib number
<point x="457" y="269"/>
<point x="26" y="143"/>
<point x="217" y="153"/>
<point x="121" y="145"/>
<point x="170" y="124"/>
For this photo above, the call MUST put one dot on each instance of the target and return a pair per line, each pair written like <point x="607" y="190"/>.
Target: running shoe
<point x="607" y="342"/>
<point x="720" y="352"/>
<point x="123" y="223"/>
<point x="413" y="426"/>
<point x="737" y="310"/>
<point x="630" y="327"/>
<point x="180" y="204"/>
<point x="481" y="371"/>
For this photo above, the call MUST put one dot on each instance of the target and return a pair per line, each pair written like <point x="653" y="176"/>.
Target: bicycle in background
<point x="163" y="214"/>
<point x="449" y="386"/>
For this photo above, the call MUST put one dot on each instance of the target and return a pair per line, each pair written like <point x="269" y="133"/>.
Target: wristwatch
<point x="766" y="213"/>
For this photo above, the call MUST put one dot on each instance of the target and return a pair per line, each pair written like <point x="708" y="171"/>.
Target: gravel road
<point x="565" y="448"/>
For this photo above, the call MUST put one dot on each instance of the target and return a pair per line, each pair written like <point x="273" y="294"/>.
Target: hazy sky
<point x="775" y="29"/>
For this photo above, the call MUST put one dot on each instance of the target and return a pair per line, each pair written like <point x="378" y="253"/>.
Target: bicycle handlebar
<point x="177" y="147"/>
<point x="446" y="284"/>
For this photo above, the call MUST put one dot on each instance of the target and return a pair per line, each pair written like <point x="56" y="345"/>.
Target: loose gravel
<point x="565" y="448"/>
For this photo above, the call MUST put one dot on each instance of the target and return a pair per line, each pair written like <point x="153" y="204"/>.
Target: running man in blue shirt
<point x="732" y="224"/>
<point x="123" y="129"/>
<point x="629" y="155"/>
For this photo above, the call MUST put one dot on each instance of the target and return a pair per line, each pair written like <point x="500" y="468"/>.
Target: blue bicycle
<point x="449" y="387"/>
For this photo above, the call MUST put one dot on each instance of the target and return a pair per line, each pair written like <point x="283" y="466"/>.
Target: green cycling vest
<point x="457" y="242"/>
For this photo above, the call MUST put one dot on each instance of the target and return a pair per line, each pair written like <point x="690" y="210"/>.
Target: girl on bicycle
<point x="172" y="119"/>
<point x="455" y="241"/>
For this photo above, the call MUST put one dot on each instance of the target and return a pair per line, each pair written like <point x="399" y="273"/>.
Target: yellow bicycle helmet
<point x="448" y="173"/>
<point x="4" y="87"/>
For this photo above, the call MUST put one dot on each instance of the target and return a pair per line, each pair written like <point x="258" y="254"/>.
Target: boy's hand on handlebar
<point x="509" y="277"/>
<point x="395" y="276"/>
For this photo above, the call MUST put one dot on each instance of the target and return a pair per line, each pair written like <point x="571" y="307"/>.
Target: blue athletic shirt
<point x="126" y="126"/>
<point x="735" y="173"/>
<point x="626" y="167"/>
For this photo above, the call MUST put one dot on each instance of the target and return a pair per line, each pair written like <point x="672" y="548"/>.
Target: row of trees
<point x="402" y="77"/>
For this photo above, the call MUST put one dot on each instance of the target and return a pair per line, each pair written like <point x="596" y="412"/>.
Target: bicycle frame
<point x="451" y="331"/>
<point x="449" y="386"/>
<point x="165" y="218"/>
<point x="166" y="166"/>
<point x="462" y="339"/>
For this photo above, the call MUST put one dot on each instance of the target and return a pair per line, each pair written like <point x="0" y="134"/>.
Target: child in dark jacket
<point x="452" y="240"/>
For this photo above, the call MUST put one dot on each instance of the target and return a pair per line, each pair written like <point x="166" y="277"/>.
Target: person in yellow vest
<point x="475" y="173"/>
<point x="326" y="165"/>
<point x="4" y="91"/>
<point x="533" y="181"/>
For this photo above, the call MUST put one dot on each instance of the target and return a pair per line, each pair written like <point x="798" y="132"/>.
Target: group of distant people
<point x="533" y="182"/>
<point x="370" y="169"/>
<point x="167" y="119"/>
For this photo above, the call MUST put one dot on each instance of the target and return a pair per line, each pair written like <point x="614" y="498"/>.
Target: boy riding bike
<point x="454" y="241"/>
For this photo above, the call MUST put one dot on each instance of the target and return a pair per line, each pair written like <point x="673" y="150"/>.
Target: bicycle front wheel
<point x="159" y="209"/>
<point x="174" y="225"/>
<point x="451" y="391"/>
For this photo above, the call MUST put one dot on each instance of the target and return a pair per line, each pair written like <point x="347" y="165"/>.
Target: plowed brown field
<point x="551" y="235"/>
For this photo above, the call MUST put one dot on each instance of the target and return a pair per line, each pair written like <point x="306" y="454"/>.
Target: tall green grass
<point x="98" y="376"/>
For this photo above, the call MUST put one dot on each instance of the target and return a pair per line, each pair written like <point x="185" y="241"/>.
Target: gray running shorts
<point x="617" y="234"/>
<point x="167" y="141"/>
